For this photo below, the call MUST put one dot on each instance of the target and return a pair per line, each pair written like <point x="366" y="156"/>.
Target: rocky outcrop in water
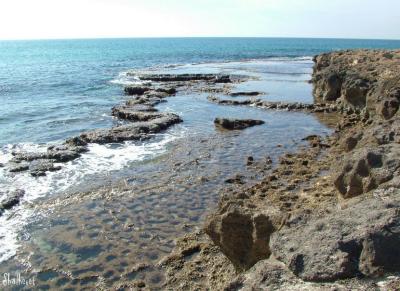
<point x="217" y="78"/>
<point x="40" y="167"/>
<point x="136" y="131"/>
<point x="271" y="105"/>
<point x="330" y="213"/>
<point x="135" y="90"/>
<point x="135" y="113"/>
<point x="143" y="121"/>
<point x="236" y="124"/>
<point x="38" y="163"/>
<point x="10" y="199"/>
<point x="245" y="93"/>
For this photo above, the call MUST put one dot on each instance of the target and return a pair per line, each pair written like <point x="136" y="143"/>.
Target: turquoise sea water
<point x="50" y="90"/>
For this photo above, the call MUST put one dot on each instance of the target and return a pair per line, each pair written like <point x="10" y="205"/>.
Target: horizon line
<point x="198" y="37"/>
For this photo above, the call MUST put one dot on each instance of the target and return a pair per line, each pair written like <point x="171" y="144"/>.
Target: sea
<point x="51" y="90"/>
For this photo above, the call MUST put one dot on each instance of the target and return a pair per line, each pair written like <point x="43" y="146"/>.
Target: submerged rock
<point x="237" y="179"/>
<point x="217" y="100"/>
<point x="169" y="91"/>
<point x="235" y="124"/>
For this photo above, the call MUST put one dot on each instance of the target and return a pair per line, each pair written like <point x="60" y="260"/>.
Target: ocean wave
<point x="126" y="78"/>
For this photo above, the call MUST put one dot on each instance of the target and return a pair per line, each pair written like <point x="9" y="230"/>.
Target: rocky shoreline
<point x="323" y="218"/>
<point x="327" y="218"/>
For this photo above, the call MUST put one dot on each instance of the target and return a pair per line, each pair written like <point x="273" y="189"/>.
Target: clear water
<point x="51" y="90"/>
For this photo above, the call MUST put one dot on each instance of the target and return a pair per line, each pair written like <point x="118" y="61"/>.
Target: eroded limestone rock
<point x="242" y="236"/>
<point x="364" y="171"/>
<point x="362" y="239"/>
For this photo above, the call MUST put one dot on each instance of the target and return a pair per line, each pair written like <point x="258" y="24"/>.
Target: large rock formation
<point x="358" y="79"/>
<point x="362" y="239"/>
<point x="330" y="214"/>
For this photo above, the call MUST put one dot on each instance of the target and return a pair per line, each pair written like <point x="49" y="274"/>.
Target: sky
<point x="57" y="19"/>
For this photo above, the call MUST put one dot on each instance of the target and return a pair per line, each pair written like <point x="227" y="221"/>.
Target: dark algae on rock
<point x="328" y="216"/>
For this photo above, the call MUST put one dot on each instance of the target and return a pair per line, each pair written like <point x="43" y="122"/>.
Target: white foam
<point x="100" y="159"/>
<point x="126" y="78"/>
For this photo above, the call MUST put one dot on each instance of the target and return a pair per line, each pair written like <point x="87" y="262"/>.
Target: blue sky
<point x="42" y="19"/>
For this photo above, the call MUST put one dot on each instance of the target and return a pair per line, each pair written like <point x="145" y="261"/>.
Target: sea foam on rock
<point x="10" y="199"/>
